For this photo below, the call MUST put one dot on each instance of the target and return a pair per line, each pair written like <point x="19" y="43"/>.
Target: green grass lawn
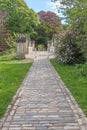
<point x="9" y="56"/>
<point x="12" y="73"/>
<point x="75" y="78"/>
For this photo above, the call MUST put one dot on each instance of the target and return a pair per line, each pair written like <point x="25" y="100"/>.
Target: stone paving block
<point x="15" y="128"/>
<point x="28" y="128"/>
<point x="6" y="124"/>
<point x="41" y="128"/>
<point x="71" y="128"/>
<point x="55" y="128"/>
<point x="4" y="128"/>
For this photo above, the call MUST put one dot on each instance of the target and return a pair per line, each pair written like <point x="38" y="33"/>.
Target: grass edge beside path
<point x="11" y="77"/>
<point x="75" y="82"/>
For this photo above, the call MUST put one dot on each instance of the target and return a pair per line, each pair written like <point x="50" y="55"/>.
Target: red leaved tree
<point x="50" y="17"/>
<point x="4" y="33"/>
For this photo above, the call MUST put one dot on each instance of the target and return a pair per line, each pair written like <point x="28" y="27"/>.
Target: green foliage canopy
<point x="21" y="19"/>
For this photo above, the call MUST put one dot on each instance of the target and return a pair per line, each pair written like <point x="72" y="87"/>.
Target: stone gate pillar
<point x="33" y="45"/>
<point x="48" y="45"/>
<point x="21" y="46"/>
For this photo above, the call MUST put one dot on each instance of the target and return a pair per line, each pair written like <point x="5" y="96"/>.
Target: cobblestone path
<point x="43" y="103"/>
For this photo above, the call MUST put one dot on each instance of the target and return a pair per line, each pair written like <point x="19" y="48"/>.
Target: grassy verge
<point x="11" y="76"/>
<point x="9" y="56"/>
<point x="75" y="78"/>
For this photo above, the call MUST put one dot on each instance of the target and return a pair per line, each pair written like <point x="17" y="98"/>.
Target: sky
<point x="38" y="5"/>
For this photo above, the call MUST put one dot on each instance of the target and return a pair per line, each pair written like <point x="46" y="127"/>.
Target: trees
<point x="19" y="18"/>
<point x="76" y="14"/>
<point x="44" y="32"/>
<point x="49" y="25"/>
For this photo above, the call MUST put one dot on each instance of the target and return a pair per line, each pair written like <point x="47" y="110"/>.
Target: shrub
<point x="41" y="47"/>
<point x="67" y="50"/>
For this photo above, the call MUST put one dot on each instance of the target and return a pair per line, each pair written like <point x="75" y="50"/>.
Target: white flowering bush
<point x="67" y="50"/>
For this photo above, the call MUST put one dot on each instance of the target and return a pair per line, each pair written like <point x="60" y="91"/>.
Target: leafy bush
<point x="41" y="47"/>
<point x="67" y="50"/>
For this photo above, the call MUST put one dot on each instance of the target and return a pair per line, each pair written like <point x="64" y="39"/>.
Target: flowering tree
<point x="68" y="51"/>
<point x="76" y="15"/>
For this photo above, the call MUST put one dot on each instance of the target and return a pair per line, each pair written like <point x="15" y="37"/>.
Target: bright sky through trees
<point x="40" y="5"/>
